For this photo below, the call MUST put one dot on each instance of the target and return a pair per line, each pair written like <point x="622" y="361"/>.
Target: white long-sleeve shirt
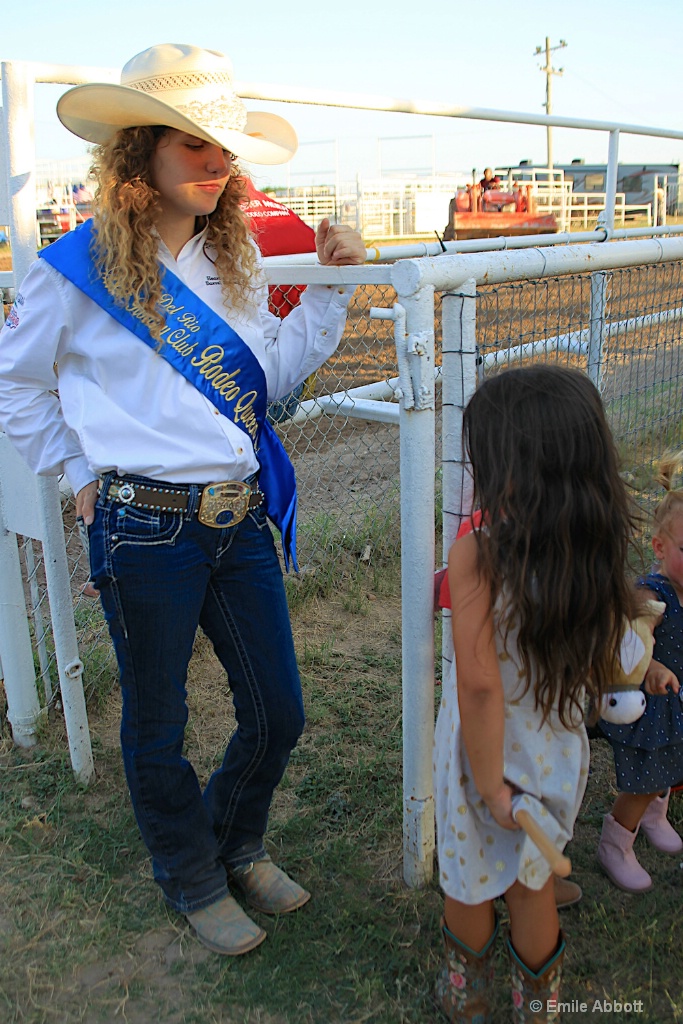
<point x="120" y="405"/>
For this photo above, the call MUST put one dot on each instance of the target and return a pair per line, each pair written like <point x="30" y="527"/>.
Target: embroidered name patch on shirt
<point x="12" y="320"/>
<point x="13" y="315"/>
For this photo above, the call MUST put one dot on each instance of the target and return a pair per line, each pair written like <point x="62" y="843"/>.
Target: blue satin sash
<point x="210" y="355"/>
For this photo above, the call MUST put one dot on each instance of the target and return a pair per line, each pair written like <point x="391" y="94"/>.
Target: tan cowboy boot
<point x="566" y="893"/>
<point x="268" y="888"/>
<point x="225" y="928"/>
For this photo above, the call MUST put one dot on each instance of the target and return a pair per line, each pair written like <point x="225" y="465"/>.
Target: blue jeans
<point x="160" y="575"/>
<point x="284" y="408"/>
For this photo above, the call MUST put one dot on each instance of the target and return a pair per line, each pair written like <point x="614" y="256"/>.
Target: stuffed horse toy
<point x="625" y="701"/>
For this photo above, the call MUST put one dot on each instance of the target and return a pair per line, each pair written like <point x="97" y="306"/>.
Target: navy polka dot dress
<point x="648" y="754"/>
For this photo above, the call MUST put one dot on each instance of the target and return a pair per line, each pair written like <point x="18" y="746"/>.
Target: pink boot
<point x="617" y="859"/>
<point x="660" y="832"/>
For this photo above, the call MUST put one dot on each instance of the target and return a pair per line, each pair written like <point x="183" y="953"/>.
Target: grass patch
<point x="646" y="422"/>
<point x="350" y="546"/>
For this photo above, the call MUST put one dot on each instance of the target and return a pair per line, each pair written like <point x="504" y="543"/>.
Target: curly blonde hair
<point x="124" y="214"/>
<point x="670" y="476"/>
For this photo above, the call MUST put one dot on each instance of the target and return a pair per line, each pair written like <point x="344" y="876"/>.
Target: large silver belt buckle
<point x="224" y="504"/>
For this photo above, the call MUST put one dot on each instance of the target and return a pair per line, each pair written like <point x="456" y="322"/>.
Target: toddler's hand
<point x="659" y="678"/>
<point x="500" y="806"/>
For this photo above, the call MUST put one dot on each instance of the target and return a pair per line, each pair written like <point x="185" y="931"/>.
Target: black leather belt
<point x="222" y="504"/>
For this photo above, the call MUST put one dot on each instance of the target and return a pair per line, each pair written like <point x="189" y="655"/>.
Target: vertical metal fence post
<point x="459" y="350"/>
<point x="597" y="331"/>
<point x="69" y="664"/>
<point x="415" y="353"/>
<point x="38" y="621"/>
<point x="606" y="220"/>
<point x="23" y="708"/>
<point x="18" y="118"/>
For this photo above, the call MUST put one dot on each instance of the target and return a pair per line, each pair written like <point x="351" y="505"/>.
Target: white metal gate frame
<point x="415" y="282"/>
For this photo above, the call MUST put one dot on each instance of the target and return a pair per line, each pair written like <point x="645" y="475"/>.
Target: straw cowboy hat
<point x="182" y="87"/>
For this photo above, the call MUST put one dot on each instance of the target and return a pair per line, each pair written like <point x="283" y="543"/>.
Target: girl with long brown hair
<point x="538" y="594"/>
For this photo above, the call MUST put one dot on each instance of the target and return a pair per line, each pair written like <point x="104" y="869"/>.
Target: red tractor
<point x="474" y="213"/>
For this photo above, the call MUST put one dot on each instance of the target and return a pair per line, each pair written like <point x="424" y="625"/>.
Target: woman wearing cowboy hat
<point x="168" y="451"/>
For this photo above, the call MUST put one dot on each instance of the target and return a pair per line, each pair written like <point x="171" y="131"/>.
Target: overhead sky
<point x="622" y="62"/>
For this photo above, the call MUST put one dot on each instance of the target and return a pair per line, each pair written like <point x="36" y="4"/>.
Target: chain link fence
<point x="641" y="371"/>
<point x="348" y="468"/>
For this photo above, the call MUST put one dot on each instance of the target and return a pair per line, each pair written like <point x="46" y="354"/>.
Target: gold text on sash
<point x="208" y="362"/>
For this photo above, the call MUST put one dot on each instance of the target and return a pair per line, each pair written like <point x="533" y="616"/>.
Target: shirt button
<point x="216" y="412"/>
<point x="324" y="334"/>
<point x="341" y="290"/>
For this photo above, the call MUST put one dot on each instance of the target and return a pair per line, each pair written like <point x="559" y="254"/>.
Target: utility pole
<point x="549" y="72"/>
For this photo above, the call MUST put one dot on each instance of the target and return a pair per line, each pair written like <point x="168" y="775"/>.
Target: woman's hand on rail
<point x="338" y="245"/>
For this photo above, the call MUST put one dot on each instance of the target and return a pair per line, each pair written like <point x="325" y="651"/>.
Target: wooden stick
<point x="559" y="864"/>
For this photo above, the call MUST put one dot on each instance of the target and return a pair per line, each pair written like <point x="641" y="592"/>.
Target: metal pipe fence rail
<point x="376" y="444"/>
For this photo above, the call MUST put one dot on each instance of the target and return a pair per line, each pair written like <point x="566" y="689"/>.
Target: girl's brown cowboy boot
<point x="464" y="983"/>
<point x="535" y="994"/>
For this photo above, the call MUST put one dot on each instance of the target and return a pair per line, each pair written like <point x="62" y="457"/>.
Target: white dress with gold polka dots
<point x="479" y="860"/>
